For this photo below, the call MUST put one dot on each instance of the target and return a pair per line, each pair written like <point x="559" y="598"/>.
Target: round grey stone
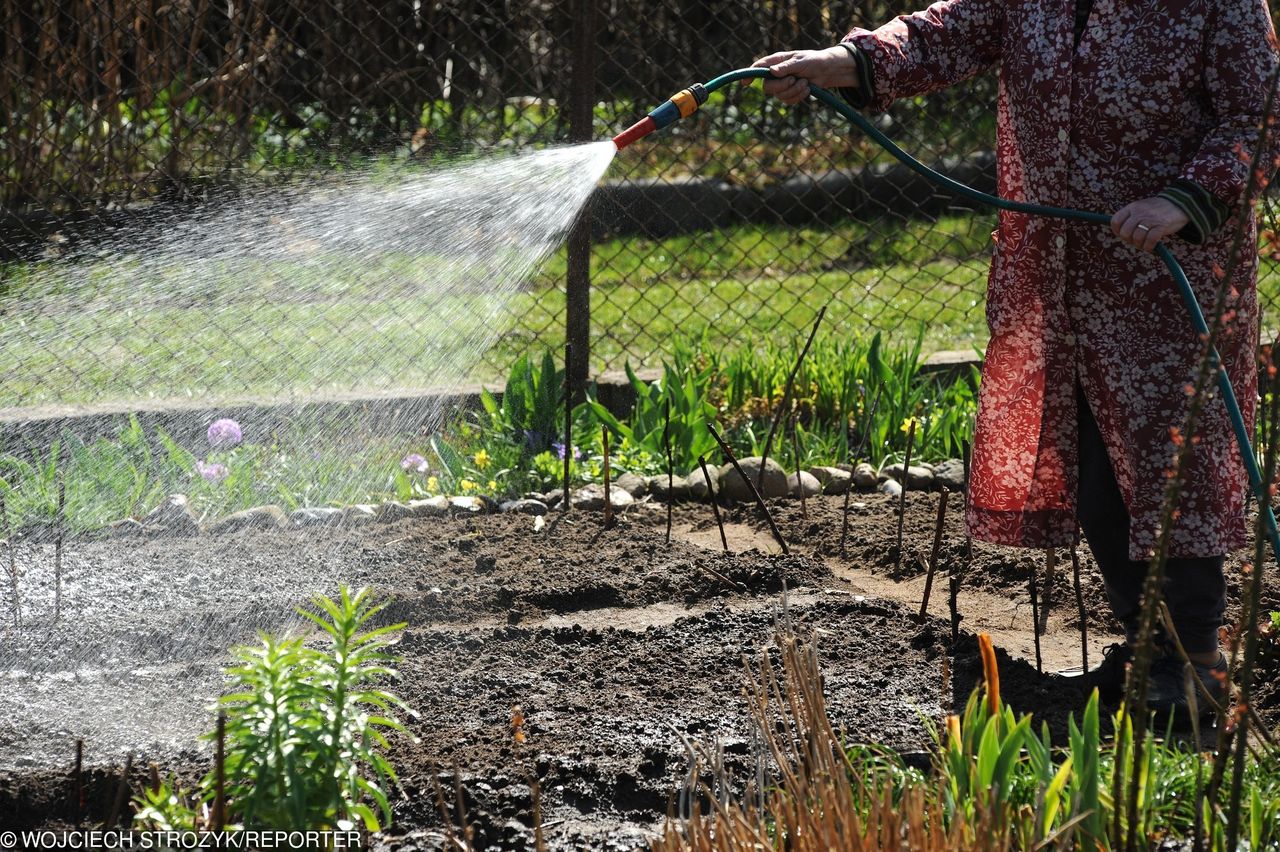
<point x="429" y="507"/>
<point x="257" y="518"/>
<point x="125" y="528"/>
<point x="360" y="513"/>
<point x="950" y="474"/>
<point x="918" y="478"/>
<point x="173" y="517"/>
<point x="701" y="487"/>
<point x="833" y="479"/>
<point x="806" y="484"/>
<point x="592" y="497"/>
<point x="772" y="484"/>
<point x="465" y="504"/>
<point x="316" y="516"/>
<point x="864" y="477"/>
<point x="678" y="489"/>
<point x="634" y="485"/>
<point x="890" y="487"/>
<point x="525" y="506"/>
<point x="392" y="511"/>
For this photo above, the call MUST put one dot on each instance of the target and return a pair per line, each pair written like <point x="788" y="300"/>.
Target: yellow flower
<point x="467" y="485"/>
<point x="482" y="459"/>
<point x="493" y="485"/>
<point x="433" y="484"/>
<point x="908" y="422"/>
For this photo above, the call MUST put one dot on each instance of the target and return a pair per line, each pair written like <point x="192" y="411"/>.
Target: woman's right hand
<point x="794" y="70"/>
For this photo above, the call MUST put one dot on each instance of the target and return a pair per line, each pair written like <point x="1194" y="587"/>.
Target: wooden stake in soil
<point x="60" y="526"/>
<point x="79" y="776"/>
<point x="795" y="451"/>
<point x="1050" y="574"/>
<point x="902" y="496"/>
<point x="568" y="428"/>
<point x="853" y="459"/>
<point x="608" y="502"/>
<point x="13" y="563"/>
<point x="671" y="468"/>
<point x="768" y="516"/>
<point x="122" y="792"/>
<point x="1080" y="613"/>
<point x="715" y="505"/>
<point x="218" y="817"/>
<point x="1035" y="619"/>
<point x="953" y="602"/>
<point x="933" y="554"/>
<point x="955" y="575"/>
<point x="786" y="395"/>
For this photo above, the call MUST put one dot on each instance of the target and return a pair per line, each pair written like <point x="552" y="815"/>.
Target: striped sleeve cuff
<point x="864" y="93"/>
<point x="1206" y="213"/>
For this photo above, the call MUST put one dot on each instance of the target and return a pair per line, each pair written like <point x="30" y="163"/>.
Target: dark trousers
<point x="1194" y="588"/>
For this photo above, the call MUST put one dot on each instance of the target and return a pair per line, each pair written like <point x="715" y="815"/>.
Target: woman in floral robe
<point x="1149" y="109"/>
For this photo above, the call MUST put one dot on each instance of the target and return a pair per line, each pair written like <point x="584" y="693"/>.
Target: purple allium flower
<point x="211" y="472"/>
<point x="224" y="434"/>
<point x="558" y="446"/>
<point x="414" y="463"/>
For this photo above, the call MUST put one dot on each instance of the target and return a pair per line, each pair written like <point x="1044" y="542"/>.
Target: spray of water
<point x="365" y="282"/>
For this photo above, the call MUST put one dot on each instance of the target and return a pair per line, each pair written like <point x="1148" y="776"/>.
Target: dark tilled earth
<point x="618" y="647"/>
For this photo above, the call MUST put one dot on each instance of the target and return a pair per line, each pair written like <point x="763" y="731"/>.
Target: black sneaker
<point x="1108" y="678"/>
<point x="1170" y="694"/>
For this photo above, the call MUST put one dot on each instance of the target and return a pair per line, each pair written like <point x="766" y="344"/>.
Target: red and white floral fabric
<point x="1156" y="90"/>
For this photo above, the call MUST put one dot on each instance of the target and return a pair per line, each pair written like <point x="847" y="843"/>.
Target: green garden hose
<point x="688" y="101"/>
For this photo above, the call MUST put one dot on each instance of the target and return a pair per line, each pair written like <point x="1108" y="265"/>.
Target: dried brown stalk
<point x="1206" y="375"/>
<point x="671" y="468"/>
<point x="933" y="554"/>
<point x="60" y="527"/>
<point x="79" y="783"/>
<point x="795" y="451"/>
<point x="1035" y="617"/>
<point x="755" y="493"/>
<point x="1050" y="575"/>
<point x="1081" y="614"/>
<point x="715" y="505"/>
<point x="853" y="460"/>
<point x="12" y="568"/>
<point x="785" y="404"/>
<point x="608" y="501"/>
<point x="902" y="496"/>
<point x="218" y="817"/>
<point x="568" y="428"/>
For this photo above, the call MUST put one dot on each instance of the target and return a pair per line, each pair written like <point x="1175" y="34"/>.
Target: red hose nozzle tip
<point x="640" y="129"/>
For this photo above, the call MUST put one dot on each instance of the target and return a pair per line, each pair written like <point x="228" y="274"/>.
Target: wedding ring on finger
<point x="1144" y="228"/>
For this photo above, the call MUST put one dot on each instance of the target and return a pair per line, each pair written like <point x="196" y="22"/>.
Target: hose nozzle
<point x="680" y="105"/>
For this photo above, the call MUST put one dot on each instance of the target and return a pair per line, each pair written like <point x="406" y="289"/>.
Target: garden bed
<point x="615" y="645"/>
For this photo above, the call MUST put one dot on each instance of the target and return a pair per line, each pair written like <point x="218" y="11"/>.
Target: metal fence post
<point x="582" y="97"/>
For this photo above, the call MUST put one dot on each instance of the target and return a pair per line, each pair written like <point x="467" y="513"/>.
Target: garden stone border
<point x="175" y="518"/>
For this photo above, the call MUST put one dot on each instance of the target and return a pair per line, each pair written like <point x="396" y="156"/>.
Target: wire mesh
<point x="731" y="229"/>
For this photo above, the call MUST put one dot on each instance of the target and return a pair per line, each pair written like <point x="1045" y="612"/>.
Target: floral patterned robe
<point x="1156" y="90"/>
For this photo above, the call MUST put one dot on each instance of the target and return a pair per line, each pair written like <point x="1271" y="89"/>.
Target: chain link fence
<point x="731" y="229"/>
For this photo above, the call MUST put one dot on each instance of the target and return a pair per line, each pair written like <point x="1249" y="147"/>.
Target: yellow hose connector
<point x="687" y="102"/>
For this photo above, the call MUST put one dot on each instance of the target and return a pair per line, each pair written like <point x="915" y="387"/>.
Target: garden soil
<point x="622" y="651"/>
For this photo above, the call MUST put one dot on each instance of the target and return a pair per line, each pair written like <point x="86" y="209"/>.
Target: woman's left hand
<point x="1145" y="223"/>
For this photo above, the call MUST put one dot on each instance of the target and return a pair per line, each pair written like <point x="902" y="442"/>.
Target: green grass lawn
<point x="736" y="287"/>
